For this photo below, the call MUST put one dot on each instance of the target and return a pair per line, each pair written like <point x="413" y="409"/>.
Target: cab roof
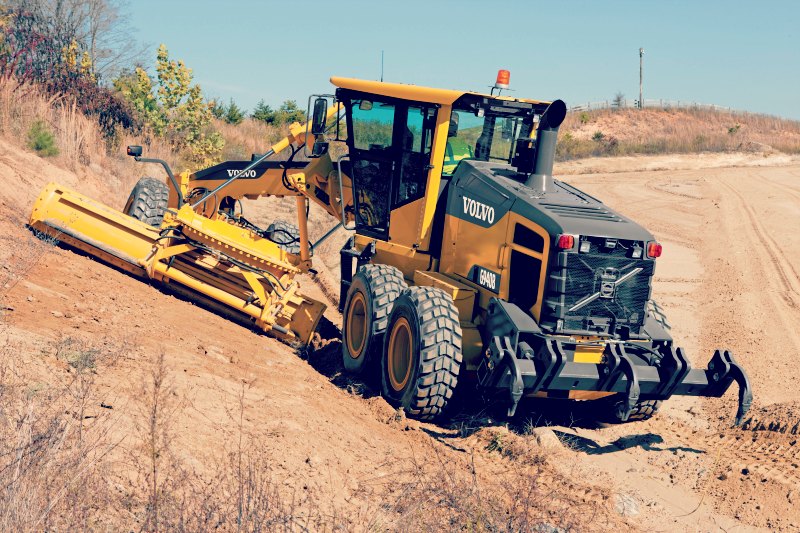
<point x="415" y="92"/>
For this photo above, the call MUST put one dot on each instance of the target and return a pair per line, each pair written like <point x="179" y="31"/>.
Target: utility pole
<point x="641" y="57"/>
<point x="381" y="65"/>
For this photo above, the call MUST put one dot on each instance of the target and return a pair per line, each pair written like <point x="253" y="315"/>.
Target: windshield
<point x="487" y="135"/>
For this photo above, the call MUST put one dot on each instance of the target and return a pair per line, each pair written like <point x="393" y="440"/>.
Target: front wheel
<point x="421" y="352"/>
<point x="148" y="201"/>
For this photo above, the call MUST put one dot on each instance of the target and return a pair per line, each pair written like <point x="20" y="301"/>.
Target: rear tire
<point x="372" y="294"/>
<point x="422" y="352"/>
<point x="148" y="201"/>
<point x="644" y="410"/>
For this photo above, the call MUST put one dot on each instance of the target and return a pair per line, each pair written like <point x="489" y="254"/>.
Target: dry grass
<point x="53" y="447"/>
<point x="523" y="494"/>
<point x="78" y="138"/>
<point x="249" y="137"/>
<point x="609" y="132"/>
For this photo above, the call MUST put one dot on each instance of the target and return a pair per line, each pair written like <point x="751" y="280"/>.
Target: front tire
<point x="422" y="352"/>
<point x="372" y="294"/>
<point x="148" y="201"/>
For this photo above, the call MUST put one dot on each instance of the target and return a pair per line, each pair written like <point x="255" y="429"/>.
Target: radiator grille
<point x="597" y="292"/>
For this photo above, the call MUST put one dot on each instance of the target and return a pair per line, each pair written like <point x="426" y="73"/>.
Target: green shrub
<point x="584" y="117"/>
<point x="598" y="136"/>
<point x="42" y="140"/>
<point x="233" y="114"/>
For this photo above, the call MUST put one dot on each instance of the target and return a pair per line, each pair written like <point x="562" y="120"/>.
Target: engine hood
<point x="488" y="191"/>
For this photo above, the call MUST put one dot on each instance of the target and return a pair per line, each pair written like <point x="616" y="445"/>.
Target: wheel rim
<point x="399" y="354"/>
<point x="357" y="325"/>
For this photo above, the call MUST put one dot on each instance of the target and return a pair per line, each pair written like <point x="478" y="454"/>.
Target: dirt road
<point x="728" y="278"/>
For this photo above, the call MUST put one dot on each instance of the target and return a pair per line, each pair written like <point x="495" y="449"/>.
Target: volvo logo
<point x="608" y="282"/>
<point x="242" y="174"/>
<point x="478" y="210"/>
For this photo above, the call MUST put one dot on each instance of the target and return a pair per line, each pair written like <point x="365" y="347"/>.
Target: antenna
<point x="381" y="65"/>
<point x="641" y="59"/>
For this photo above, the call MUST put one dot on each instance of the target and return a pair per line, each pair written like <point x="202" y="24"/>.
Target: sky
<point x="739" y="54"/>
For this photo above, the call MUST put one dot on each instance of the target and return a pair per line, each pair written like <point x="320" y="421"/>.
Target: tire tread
<point x="148" y="201"/>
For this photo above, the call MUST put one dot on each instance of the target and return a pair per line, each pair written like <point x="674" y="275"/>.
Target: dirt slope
<point x="727" y="279"/>
<point x="328" y="443"/>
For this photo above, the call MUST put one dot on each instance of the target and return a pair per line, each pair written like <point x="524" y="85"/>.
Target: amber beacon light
<point x="503" y="77"/>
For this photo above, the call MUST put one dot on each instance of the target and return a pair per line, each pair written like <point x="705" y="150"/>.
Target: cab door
<point x="389" y="143"/>
<point x="373" y="158"/>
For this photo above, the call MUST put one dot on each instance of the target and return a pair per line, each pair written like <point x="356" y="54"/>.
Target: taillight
<point x="565" y="242"/>
<point x="653" y="250"/>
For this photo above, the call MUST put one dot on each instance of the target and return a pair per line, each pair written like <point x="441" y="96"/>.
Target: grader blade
<point x="92" y="227"/>
<point x="226" y="264"/>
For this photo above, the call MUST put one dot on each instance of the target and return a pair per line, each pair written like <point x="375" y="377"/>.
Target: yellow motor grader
<point x="467" y="257"/>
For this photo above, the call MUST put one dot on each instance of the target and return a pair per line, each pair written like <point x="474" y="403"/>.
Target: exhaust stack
<point x="546" y="136"/>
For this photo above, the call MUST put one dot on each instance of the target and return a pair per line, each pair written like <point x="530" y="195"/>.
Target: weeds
<point x="433" y="494"/>
<point x="51" y="465"/>
<point x="41" y="139"/>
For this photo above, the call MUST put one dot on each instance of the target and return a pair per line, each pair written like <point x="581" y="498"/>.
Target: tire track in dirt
<point x="773" y="456"/>
<point x="788" y="276"/>
<point x="785" y="188"/>
<point x="751" y="450"/>
<point x="659" y="186"/>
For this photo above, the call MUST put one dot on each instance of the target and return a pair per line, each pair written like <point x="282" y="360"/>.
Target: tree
<point x="263" y="112"/>
<point x="137" y="88"/>
<point x="99" y="28"/>
<point x="174" y="109"/>
<point x="289" y="112"/>
<point x="619" y="100"/>
<point x="233" y="115"/>
<point x="41" y="42"/>
<point x="217" y="109"/>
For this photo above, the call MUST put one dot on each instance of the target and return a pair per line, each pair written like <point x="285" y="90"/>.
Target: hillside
<point x="614" y="132"/>
<point x="122" y="403"/>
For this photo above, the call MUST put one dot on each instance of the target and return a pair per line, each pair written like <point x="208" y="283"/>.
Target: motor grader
<point x="487" y="268"/>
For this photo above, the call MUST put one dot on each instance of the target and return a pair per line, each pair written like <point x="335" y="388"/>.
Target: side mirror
<point x="318" y="119"/>
<point x="365" y="105"/>
<point x="320" y="148"/>
<point x="135" y="151"/>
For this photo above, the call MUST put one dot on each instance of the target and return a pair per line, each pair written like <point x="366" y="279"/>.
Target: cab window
<point x="415" y="154"/>
<point x="373" y="123"/>
<point x="390" y="145"/>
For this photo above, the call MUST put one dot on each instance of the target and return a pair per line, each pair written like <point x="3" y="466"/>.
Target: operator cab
<point x="487" y="129"/>
<point x="393" y="154"/>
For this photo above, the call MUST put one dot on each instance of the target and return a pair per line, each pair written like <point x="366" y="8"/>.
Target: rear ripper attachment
<point x="523" y="361"/>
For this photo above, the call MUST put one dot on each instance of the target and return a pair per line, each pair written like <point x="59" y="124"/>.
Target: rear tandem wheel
<point x="372" y="294"/>
<point x="421" y="352"/>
